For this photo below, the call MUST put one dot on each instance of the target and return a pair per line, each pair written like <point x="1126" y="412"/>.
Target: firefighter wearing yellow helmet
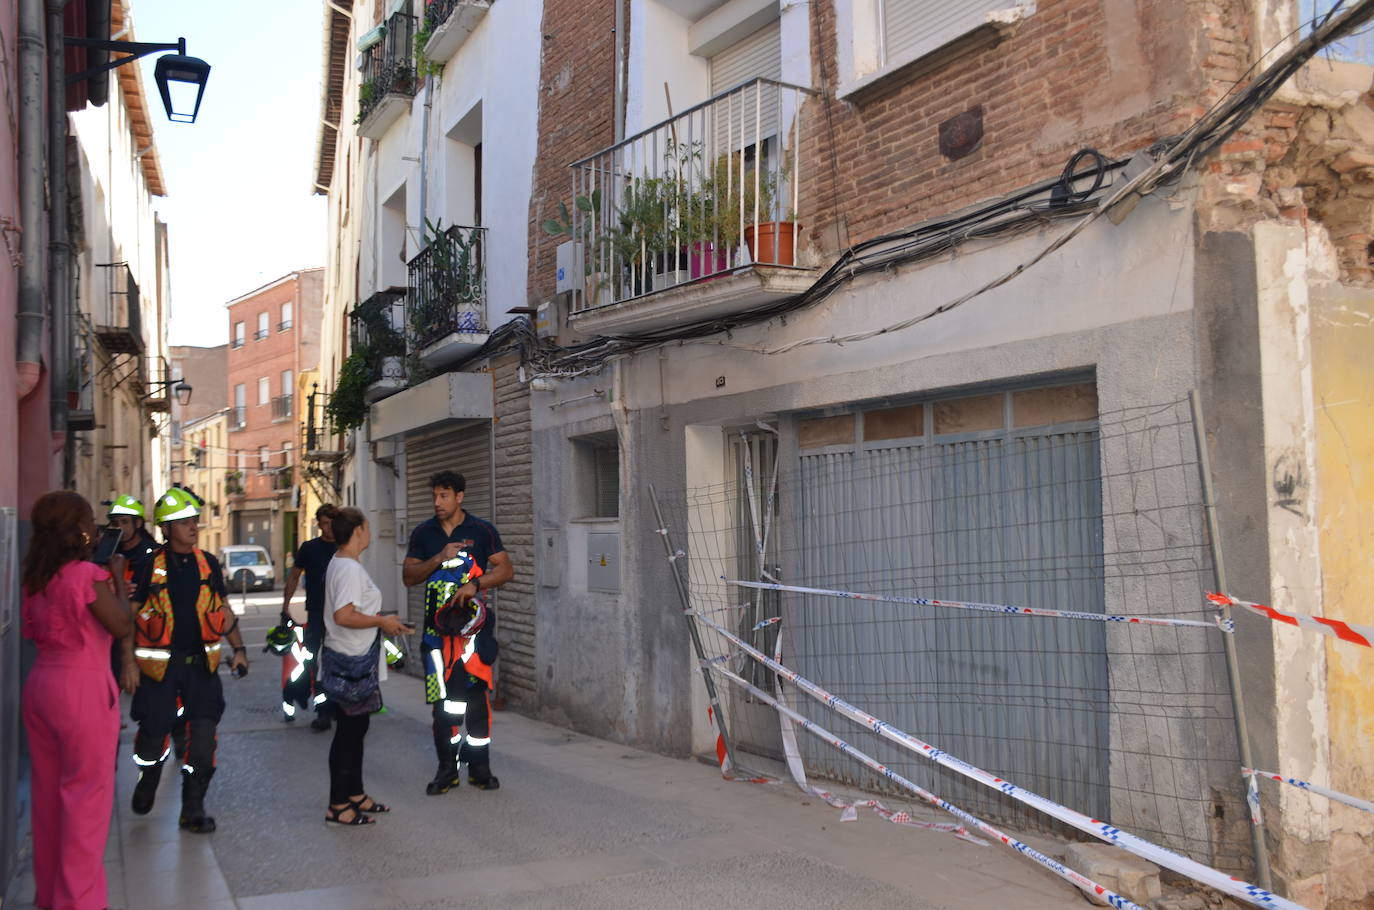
<point x="181" y="621"/>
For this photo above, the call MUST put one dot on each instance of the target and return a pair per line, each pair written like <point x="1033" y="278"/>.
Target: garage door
<point x="467" y="451"/>
<point x="991" y="498"/>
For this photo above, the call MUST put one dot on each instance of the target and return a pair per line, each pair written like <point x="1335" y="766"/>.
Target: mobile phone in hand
<point x="105" y="545"/>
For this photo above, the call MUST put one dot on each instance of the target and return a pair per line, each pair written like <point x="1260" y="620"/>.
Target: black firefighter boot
<point x="145" y="791"/>
<point x="478" y="760"/>
<point x="193" y="787"/>
<point x="447" y="777"/>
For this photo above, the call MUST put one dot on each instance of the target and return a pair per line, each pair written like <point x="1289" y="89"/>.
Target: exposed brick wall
<point x="576" y="115"/>
<point x="1103" y="73"/>
<point x="513" y="513"/>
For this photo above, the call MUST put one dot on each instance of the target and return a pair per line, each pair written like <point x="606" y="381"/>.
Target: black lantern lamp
<point x="175" y="74"/>
<point x="177" y="77"/>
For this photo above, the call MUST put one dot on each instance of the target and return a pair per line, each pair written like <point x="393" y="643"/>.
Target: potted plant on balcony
<point x="347" y="407"/>
<point x="638" y="241"/>
<point x="448" y="296"/>
<point x="596" y="278"/>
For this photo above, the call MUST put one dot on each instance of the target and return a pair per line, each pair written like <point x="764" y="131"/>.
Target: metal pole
<point x="706" y="677"/>
<point x="1229" y="640"/>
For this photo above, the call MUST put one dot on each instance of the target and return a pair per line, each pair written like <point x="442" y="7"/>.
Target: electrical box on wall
<point x="603" y="563"/>
<point x="569" y="266"/>
<point x="549" y="564"/>
<point x="546" y="319"/>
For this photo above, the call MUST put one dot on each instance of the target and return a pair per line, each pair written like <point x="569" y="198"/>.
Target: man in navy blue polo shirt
<point x="457" y="670"/>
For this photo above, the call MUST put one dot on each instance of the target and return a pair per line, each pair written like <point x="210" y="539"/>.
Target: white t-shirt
<point x="347" y="582"/>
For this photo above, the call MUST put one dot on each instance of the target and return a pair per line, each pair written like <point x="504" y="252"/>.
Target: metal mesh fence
<point x="1126" y="722"/>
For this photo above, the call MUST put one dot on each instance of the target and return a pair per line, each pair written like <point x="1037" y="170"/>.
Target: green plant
<point x="453" y="278"/>
<point x="423" y="65"/>
<point x="347" y="407"/>
<point x="596" y="250"/>
<point x="233" y="483"/>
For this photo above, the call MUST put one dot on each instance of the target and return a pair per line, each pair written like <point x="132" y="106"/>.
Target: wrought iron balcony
<point x="379" y="333"/>
<point x="260" y="334"/>
<point x="708" y="198"/>
<point x="388" y="76"/>
<point x="322" y="442"/>
<point x="448" y="23"/>
<point x="238" y="418"/>
<point x="237" y="343"/>
<point x="447" y="296"/>
<point x="283" y="477"/>
<point x="122" y="330"/>
<point x="281" y="407"/>
<point x="284" y="325"/>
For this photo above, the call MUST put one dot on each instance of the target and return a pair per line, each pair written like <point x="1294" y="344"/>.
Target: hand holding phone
<point x="105" y="545"/>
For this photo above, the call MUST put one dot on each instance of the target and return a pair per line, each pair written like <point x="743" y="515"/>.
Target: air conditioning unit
<point x="569" y="261"/>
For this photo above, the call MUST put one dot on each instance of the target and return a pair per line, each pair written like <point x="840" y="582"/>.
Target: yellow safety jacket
<point x="153" y="624"/>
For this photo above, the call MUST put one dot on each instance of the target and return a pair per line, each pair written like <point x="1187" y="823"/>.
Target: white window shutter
<point x="913" y="28"/>
<point x="759" y="54"/>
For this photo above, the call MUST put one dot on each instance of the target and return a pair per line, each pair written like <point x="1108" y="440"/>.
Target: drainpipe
<point x="29" y="343"/>
<point x="424" y="157"/>
<point x="59" y="245"/>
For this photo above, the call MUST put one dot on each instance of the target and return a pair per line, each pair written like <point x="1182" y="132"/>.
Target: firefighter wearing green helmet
<point x="181" y="621"/>
<point x="136" y="545"/>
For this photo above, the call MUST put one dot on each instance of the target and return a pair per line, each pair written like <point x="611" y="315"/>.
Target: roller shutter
<point x="760" y="54"/>
<point x="912" y="28"/>
<point x="467" y="451"/>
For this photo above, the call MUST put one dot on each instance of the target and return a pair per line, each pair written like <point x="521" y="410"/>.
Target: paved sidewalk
<point x="579" y="822"/>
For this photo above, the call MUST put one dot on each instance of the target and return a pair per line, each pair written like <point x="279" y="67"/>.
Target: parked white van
<point x="247" y="567"/>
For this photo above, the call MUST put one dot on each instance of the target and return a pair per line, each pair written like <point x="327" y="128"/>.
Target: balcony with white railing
<point x="694" y="218"/>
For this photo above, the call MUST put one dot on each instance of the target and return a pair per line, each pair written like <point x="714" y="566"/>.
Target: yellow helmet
<point x="176" y="503"/>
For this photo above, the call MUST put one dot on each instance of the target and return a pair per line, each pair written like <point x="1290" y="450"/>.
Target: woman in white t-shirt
<point x="352" y="618"/>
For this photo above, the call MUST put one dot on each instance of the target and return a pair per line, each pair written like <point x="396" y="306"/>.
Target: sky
<point x="239" y="205"/>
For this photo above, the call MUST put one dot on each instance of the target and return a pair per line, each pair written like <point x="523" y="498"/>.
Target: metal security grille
<point x="467" y="451"/>
<point x="1004" y="517"/>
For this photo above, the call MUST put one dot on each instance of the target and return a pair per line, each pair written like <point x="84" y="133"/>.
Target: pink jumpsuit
<point x="71" y="714"/>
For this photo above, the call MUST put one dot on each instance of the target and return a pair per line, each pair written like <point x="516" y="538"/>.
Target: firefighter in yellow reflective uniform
<point x="181" y="621"/>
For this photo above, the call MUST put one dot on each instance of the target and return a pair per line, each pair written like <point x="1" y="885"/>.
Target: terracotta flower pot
<point x="775" y="243"/>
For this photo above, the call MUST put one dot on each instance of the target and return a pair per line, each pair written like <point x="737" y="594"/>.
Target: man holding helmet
<point x="181" y="617"/>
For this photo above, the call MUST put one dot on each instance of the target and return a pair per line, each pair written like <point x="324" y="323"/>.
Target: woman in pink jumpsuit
<point x="72" y="610"/>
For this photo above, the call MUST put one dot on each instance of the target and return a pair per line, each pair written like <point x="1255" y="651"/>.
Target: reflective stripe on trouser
<point x="462" y="723"/>
<point x="155" y="709"/>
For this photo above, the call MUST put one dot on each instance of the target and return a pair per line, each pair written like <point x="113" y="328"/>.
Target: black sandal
<point x="375" y="809"/>
<point x="359" y="817"/>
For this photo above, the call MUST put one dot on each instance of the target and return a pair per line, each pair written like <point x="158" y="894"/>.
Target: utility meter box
<point x="569" y="266"/>
<point x="603" y="563"/>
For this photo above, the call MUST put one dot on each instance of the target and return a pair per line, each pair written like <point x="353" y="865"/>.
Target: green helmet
<point x="281" y="638"/>
<point x="176" y="503"/>
<point x="127" y="505"/>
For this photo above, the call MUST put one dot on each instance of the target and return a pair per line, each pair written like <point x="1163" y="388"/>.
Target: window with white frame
<point x="240" y="334"/>
<point x="264" y="390"/>
<point x="285" y="317"/>
<point x="262" y="325"/>
<point x="287" y="382"/>
<point x="886" y="35"/>
<point x="264" y="456"/>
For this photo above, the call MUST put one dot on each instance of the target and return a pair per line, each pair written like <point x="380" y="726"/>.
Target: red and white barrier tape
<point x="982" y="608"/>
<point x="1336" y="795"/>
<point x="1345" y="631"/>
<point x="1156" y="854"/>
<point x="1076" y="878"/>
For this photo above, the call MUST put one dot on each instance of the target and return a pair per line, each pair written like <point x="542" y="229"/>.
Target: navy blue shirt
<point x="312" y="558"/>
<point x="476" y="535"/>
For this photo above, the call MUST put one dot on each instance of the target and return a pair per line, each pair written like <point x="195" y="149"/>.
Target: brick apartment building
<point x="860" y="246"/>
<point x="273" y="337"/>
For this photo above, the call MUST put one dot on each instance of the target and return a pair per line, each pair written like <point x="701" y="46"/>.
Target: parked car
<point x="247" y="567"/>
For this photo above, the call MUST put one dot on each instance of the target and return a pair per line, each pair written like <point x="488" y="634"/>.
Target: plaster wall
<point x="660" y="53"/>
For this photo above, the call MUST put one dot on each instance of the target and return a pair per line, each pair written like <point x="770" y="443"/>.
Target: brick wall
<point x="513" y="513"/>
<point x="1102" y="73"/>
<point x="576" y="115"/>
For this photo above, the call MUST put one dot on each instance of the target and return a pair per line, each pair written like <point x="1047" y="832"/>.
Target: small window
<point x="895" y="423"/>
<point x="264" y="456"/>
<point x="286" y="382"/>
<point x="285" y="317"/>
<point x="264" y="391"/>
<point x="240" y="395"/>
<point x="240" y="334"/>
<point x="818" y="432"/>
<point x="262" y="326"/>
<point x="970" y="415"/>
<point x="597" y="460"/>
<point x="1060" y="404"/>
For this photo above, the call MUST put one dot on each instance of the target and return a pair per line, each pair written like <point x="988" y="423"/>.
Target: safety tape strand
<point x="1336" y="795"/>
<point x="1156" y="854"/>
<point x="1008" y="609"/>
<point x="1335" y="628"/>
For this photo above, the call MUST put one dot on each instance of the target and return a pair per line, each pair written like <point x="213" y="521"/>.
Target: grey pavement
<point x="578" y="822"/>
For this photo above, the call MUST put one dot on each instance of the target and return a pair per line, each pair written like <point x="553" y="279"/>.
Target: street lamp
<point x="180" y="387"/>
<point x="174" y="72"/>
